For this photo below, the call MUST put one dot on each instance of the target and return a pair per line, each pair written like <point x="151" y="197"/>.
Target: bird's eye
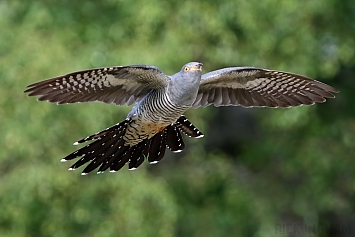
<point x="186" y="69"/>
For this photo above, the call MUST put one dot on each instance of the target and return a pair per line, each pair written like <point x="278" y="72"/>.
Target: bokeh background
<point x="257" y="172"/>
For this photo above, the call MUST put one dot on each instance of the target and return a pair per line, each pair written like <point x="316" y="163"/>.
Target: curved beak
<point x="197" y="67"/>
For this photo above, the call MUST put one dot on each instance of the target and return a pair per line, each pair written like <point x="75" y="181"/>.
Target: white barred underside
<point x="155" y="112"/>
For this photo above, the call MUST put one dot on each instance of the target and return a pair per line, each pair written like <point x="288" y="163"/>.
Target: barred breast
<point x="151" y="115"/>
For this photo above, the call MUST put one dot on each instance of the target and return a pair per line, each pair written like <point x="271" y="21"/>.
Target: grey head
<point x="184" y="85"/>
<point x="191" y="70"/>
<point x="190" y="73"/>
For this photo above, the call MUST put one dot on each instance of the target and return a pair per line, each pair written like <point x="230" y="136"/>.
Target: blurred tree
<point x="282" y="166"/>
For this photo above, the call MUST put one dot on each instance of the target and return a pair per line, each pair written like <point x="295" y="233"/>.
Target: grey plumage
<point x="256" y="87"/>
<point x="156" y="121"/>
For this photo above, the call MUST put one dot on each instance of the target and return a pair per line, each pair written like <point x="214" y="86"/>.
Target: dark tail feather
<point x="114" y="129"/>
<point x="95" y="157"/>
<point x="114" y="159"/>
<point x="137" y="155"/>
<point x="108" y="149"/>
<point x="157" y="147"/>
<point x="121" y="158"/>
<point x="188" y="128"/>
<point x="106" y="145"/>
<point x="103" y="142"/>
<point x="174" y="141"/>
<point x="103" y="158"/>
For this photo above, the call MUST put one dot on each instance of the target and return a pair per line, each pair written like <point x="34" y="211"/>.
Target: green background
<point x="257" y="172"/>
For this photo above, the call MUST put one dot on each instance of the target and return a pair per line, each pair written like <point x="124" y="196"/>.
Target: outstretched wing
<point x="120" y="85"/>
<point x="256" y="87"/>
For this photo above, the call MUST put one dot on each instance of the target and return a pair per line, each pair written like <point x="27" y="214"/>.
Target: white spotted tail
<point x="109" y="152"/>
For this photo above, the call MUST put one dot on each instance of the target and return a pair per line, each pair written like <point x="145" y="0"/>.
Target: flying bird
<point x="156" y="121"/>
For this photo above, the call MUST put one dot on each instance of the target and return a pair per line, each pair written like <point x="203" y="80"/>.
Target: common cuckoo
<point x="156" y="121"/>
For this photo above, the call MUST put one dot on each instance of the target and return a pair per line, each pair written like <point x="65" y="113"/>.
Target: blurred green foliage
<point x="287" y="166"/>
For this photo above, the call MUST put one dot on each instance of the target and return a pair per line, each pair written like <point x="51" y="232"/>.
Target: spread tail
<point x="108" y="149"/>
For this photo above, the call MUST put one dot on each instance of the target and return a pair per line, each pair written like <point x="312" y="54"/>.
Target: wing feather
<point x="256" y="87"/>
<point x="119" y="85"/>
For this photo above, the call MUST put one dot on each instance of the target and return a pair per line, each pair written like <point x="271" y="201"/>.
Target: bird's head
<point x="189" y="74"/>
<point x="192" y="68"/>
<point x="185" y="84"/>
